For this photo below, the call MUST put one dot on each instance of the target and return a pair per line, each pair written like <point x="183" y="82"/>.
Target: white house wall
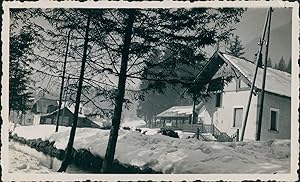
<point x="222" y="117"/>
<point x="233" y="100"/>
<point x="283" y="104"/>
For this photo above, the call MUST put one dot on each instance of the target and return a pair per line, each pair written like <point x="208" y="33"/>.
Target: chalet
<point x="224" y="110"/>
<point x="66" y="118"/>
<point x="45" y="111"/>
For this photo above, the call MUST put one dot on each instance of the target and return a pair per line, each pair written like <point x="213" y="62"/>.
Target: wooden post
<point x="261" y="103"/>
<point x="254" y="77"/>
<point x="198" y="133"/>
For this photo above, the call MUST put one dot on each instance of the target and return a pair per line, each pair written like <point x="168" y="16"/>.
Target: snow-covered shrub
<point x="168" y="132"/>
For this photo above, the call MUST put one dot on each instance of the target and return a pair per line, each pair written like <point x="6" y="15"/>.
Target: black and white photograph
<point x="150" y="91"/>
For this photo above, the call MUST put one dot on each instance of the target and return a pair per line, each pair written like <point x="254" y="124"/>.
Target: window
<point x="218" y="99"/>
<point x="274" y="119"/>
<point x="237" y="117"/>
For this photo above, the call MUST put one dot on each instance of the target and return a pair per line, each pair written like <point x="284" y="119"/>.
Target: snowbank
<point x="40" y="131"/>
<point x="171" y="155"/>
<point x="133" y="123"/>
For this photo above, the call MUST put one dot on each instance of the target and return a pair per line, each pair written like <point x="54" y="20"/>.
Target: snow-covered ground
<point x="171" y="155"/>
<point x="22" y="163"/>
<point x="133" y="124"/>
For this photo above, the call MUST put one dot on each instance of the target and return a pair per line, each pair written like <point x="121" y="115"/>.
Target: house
<point x="43" y="106"/>
<point x="66" y="118"/>
<point x="224" y="109"/>
<point x="46" y="109"/>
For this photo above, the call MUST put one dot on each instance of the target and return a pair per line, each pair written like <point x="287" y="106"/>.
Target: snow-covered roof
<point x="277" y="81"/>
<point x="71" y="109"/>
<point x="177" y="111"/>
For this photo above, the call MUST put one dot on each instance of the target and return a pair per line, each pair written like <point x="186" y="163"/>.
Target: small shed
<point x="176" y="116"/>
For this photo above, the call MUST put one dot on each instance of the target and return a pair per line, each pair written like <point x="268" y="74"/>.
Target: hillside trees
<point x="121" y="42"/>
<point x="281" y="65"/>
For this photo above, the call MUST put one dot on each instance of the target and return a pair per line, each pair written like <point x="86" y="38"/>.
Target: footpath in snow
<point x="172" y="155"/>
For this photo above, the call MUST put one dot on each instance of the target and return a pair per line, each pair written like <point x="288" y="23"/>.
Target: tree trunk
<point x="67" y="158"/>
<point x="119" y="98"/>
<point x="62" y="83"/>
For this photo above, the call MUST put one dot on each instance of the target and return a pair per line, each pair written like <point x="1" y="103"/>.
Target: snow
<point x="277" y="81"/>
<point x="150" y="131"/>
<point x="172" y="155"/>
<point x="22" y="163"/>
<point x="185" y="135"/>
<point x="37" y="131"/>
<point x="177" y="111"/>
<point x="134" y="124"/>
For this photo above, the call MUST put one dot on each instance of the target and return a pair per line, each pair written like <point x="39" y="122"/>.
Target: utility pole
<point x="261" y="102"/>
<point x="62" y="82"/>
<point x="67" y="159"/>
<point x="254" y="77"/>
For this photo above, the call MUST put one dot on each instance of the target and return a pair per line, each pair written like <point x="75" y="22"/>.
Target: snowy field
<point x="172" y="155"/>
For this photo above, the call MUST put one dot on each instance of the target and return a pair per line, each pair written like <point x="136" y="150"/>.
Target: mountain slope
<point x="280" y="44"/>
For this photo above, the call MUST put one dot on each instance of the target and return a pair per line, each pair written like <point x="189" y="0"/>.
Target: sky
<point x="251" y="27"/>
<point x="252" y="22"/>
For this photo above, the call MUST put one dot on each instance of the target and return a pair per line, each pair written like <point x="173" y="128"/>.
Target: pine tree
<point x="235" y="47"/>
<point x="281" y="65"/>
<point x="19" y="72"/>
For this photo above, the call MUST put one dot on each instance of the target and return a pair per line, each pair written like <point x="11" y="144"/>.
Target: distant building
<point x="45" y="112"/>
<point x="66" y="119"/>
<point x="43" y="106"/>
<point x="175" y="116"/>
<point x="225" y="109"/>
